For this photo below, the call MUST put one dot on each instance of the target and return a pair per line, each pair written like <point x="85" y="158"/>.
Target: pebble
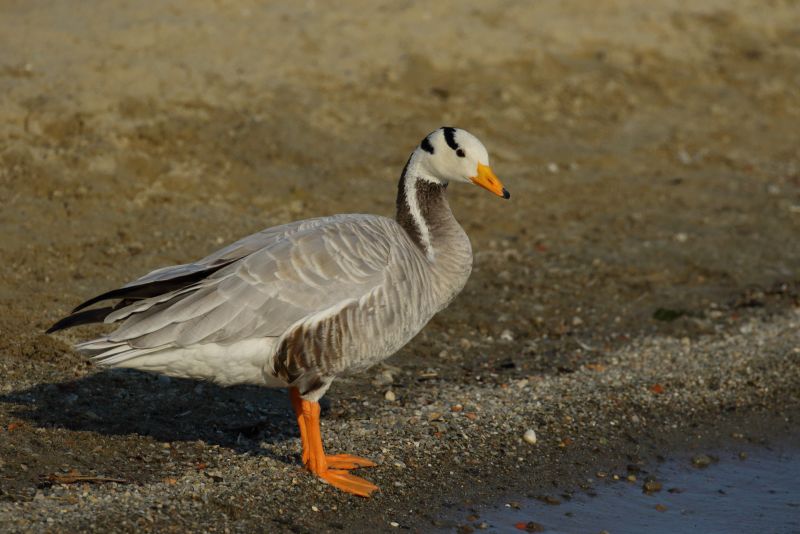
<point x="507" y="335"/>
<point x="395" y="524"/>
<point x="385" y="378"/>
<point x="390" y="396"/>
<point x="651" y="486"/>
<point x="702" y="460"/>
<point x="530" y="436"/>
<point x="530" y="526"/>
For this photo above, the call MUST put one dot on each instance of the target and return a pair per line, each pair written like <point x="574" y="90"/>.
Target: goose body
<point x="299" y="304"/>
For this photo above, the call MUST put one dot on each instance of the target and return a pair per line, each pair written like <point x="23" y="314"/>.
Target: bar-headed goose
<point x="298" y="304"/>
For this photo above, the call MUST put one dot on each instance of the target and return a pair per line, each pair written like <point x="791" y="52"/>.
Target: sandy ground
<point x="639" y="293"/>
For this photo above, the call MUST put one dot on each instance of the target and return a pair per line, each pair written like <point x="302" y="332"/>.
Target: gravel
<point x="193" y="482"/>
<point x="638" y="295"/>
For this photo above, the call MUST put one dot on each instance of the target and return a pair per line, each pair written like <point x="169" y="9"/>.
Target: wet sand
<point x="638" y="294"/>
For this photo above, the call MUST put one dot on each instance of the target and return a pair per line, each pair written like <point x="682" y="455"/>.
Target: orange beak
<point x="487" y="180"/>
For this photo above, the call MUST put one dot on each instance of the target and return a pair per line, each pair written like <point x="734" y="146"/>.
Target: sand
<point x="638" y="294"/>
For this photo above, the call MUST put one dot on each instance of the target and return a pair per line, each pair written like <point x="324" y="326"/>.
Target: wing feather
<point x="309" y="269"/>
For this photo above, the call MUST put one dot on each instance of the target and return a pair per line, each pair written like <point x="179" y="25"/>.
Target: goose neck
<point x="422" y="208"/>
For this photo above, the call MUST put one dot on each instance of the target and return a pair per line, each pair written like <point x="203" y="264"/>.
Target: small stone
<point x="386" y="378"/>
<point x="702" y="460"/>
<point x="315" y="509"/>
<point x="530" y="526"/>
<point x="216" y="476"/>
<point x="507" y="335"/>
<point x="549" y="499"/>
<point x="395" y="524"/>
<point x="530" y="436"/>
<point x="651" y="485"/>
<point x="577" y="321"/>
<point x="390" y="396"/>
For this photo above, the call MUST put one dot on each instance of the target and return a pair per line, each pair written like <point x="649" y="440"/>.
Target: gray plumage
<point x="298" y="304"/>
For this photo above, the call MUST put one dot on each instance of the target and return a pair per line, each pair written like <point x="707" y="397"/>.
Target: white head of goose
<point x="299" y="304"/>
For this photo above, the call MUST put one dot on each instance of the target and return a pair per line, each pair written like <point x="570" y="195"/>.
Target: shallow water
<point x="757" y="494"/>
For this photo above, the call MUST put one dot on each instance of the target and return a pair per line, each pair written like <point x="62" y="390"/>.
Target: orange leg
<point x="297" y="404"/>
<point x="332" y="469"/>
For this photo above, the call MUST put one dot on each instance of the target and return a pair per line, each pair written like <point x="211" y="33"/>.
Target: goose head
<point x="451" y="154"/>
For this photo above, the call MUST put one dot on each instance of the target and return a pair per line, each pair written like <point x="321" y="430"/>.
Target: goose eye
<point x="460" y="153"/>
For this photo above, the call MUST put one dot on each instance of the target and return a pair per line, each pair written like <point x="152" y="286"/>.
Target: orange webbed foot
<point x="330" y="468"/>
<point x="348" y="483"/>
<point x="347" y="461"/>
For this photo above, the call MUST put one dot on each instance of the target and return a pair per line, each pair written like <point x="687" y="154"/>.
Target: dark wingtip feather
<point x="91" y="301"/>
<point x="84" y="317"/>
<point x="156" y="288"/>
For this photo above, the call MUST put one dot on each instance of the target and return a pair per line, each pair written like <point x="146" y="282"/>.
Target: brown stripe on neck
<point x="429" y="196"/>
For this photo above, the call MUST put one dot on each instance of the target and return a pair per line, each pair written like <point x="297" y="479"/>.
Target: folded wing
<point x="261" y="285"/>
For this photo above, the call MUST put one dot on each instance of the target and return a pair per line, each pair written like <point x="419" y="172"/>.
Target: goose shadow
<point x="122" y="402"/>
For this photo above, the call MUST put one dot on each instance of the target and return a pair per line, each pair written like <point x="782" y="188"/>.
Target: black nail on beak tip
<point x="506" y="194"/>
